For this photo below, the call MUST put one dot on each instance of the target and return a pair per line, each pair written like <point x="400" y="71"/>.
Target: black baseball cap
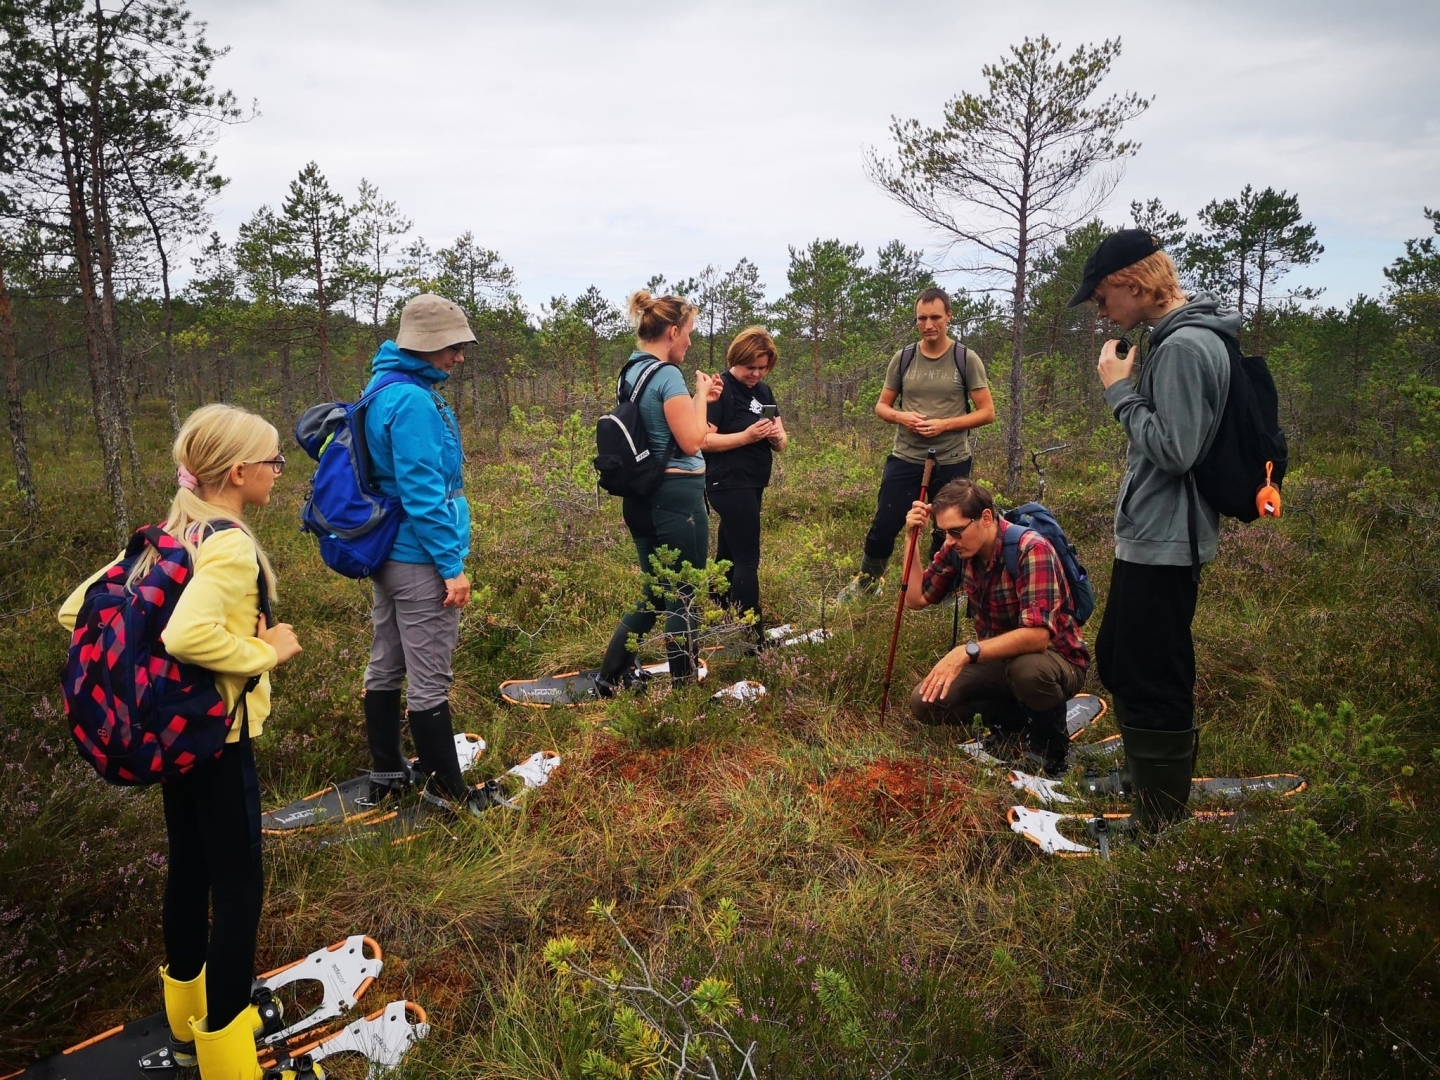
<point x="1116" y="251"/>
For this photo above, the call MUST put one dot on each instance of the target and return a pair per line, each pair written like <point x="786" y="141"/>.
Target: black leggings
<point x="1145" y="651"/>
<point x="739" y="542"/>
<point x="212" y="814"/>
<point x="899" y="487"/>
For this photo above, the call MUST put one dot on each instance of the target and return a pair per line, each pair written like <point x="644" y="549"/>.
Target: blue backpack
<point x="138" y="715"/>
<point x="355" y="522"/>
<point x="1032" y="517"/>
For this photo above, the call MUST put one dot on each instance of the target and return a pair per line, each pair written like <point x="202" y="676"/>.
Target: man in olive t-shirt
<point x="934" y="413"/>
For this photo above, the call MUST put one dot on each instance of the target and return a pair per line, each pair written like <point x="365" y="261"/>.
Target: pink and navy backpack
<point x="137" y="714"/>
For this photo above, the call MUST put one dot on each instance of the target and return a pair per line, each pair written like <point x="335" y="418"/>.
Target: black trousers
<point x="899" y="488"/>
<point x="212" y="814"/>
<point x="1145" y="652"/>
<point x="739" y="542"/>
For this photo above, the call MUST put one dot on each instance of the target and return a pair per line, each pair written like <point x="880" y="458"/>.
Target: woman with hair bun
<point x="674" y="515"/>
<point x="745" y="430"/>
<point x="228" y="460"/>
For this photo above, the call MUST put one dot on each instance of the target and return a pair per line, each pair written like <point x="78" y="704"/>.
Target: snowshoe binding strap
<point x="474" y="802"/>
<point x="1095" y="784"/>
<point x="343" y="970"/>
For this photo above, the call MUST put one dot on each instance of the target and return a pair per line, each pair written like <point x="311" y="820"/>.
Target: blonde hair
<point x="1153" y="278"/>
<point x="653" y="315"/>
<point x="751" y="342"/>
<point x="213" y="439"/>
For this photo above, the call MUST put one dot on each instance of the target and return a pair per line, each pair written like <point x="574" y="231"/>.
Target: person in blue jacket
<point x="414" y="448"/>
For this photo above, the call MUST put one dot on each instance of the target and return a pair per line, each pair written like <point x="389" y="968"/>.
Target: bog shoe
<point x="1161" y="764"/>
<point x="182" y="1001"/>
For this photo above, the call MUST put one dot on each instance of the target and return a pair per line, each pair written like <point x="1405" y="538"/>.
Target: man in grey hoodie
<point x="1170" y="411"/>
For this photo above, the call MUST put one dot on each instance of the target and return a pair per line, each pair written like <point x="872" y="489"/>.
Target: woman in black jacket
<point x="744" y="431"/>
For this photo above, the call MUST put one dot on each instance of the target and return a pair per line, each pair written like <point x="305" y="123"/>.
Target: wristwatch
<point x="972" y="650"/>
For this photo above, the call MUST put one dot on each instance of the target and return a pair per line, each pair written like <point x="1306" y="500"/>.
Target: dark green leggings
<point x="673" y="517"/>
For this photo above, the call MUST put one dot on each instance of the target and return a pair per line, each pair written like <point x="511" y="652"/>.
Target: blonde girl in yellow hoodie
<point x="228" y="459"/>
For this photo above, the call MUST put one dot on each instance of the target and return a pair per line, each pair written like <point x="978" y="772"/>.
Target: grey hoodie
<point x="1170" y="414"/>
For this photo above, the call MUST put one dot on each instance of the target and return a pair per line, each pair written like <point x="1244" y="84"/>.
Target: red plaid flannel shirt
<point x="999" y="603"/>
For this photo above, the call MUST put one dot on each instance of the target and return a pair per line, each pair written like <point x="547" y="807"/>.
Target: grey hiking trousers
<point x="415" y="634"/>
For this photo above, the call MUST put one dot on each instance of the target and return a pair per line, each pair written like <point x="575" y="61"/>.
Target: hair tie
<point x="186" y="479"/>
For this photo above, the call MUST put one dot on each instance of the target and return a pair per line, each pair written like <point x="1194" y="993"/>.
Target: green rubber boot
<point x="1161" y="764"/>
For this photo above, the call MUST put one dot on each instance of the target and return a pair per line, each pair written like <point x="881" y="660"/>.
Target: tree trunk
<point x="106" y="430"/>
<point x="595" y="363"/>
<point x="24" y="483"/>
<point x="322" y="304"/>
<point x="815" y="359"/>
<point x="1014" y="433"/>
<point x="1260" y="269"/>
<point x="287" y="389"/>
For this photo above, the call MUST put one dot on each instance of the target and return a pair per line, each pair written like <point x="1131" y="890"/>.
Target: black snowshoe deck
<point x="401" y="824"/>
<point x="1227" y="788"/>
<point x="339" y="802"/>
<point x="572" y="688"/>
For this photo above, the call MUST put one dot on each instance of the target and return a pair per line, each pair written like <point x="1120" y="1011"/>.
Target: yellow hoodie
<point x="214" y="621"/>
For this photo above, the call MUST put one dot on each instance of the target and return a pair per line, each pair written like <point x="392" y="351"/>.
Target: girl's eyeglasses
<point x="277" y="463"/>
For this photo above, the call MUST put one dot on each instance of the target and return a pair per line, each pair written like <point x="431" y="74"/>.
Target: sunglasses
<point x="958" y="534"/>
<point x="277" y="463"/>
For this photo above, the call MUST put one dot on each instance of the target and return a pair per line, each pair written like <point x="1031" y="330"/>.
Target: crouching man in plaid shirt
<point x="1028" y="658"/>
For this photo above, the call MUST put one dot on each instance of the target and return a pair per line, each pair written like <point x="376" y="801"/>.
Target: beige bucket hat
<point x="430" y="323"/>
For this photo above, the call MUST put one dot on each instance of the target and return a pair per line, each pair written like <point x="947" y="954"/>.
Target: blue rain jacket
<point x="415" y="455"/>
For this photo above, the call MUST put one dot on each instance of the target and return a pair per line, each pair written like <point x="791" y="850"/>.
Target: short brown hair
<point x="653" y="315"/>
<point x="751" y="342"/>
<point x="967" y="496"/>
<point x="1153" y="278"/>
<point x="934" y="292"/>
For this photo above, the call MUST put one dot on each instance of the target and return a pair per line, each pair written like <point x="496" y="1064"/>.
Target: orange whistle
<point x="1267" y="499"/>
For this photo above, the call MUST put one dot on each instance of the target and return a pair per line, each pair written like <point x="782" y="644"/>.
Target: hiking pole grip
<point x="905" y="583"/>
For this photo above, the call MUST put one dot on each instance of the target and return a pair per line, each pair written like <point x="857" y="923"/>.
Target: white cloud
<point x="605" y="142"/>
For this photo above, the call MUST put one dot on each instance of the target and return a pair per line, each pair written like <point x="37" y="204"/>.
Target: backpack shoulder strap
<point x="1011" y="548"/>
<point x="215" y="525"/>
<point x="907" y="357"/>
<point x="961" y="360"/>
<point x="390" y="378"/>
<point x="644" y="380"/>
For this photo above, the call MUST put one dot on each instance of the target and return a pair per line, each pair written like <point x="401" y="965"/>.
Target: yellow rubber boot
<point x="230" y="1053"/>
<point x="182" y="1001"/>
<point x="227" y="1054"/>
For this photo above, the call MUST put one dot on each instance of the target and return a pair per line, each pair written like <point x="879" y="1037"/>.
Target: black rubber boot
<point x="617" y="665"/>
<point x="382" y="731"/>
<point x="1004" y="723"/>
<point x="1160" y="764"/>
<point x="682" y="661"/>
<point x="435" y="746"/>
<point x="1048" y="739"/>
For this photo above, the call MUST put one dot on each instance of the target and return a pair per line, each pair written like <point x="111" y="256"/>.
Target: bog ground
<point x="853" y="886"/>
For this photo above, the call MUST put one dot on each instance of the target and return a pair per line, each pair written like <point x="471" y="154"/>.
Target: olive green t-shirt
<point x="933" y="387"/>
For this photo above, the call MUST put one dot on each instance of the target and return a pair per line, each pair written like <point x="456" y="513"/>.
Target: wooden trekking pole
<point x="905" y="585"/>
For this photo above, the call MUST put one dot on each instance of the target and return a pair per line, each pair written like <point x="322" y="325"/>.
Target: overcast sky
<point x="606" y="141"/>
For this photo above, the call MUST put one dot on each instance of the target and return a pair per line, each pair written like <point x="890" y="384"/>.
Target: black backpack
<point x="907" y="357"/>
<point x="1248" y="436"/>
<point x="622" y="449"/>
